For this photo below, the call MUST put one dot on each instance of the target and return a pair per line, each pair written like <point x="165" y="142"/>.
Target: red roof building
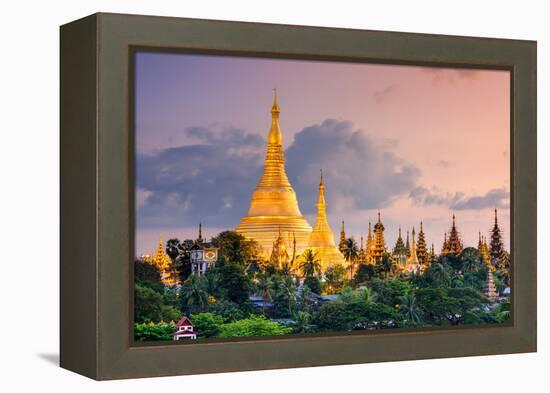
<point x="184" y="330"/>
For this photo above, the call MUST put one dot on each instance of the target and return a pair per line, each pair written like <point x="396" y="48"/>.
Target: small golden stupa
<point x="274" y="206"/>
<point x="321" y="241"/>
<point x="413" y="265"/>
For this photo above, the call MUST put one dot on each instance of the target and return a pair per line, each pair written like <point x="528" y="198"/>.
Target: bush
<point x="154" y="331"/>
<point x="253" y="326"/>
<point x="207" y="324"/>
<point x="356" y="315"/>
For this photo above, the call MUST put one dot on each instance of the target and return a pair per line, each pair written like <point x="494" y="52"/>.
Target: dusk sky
<point x="417" y="143"/>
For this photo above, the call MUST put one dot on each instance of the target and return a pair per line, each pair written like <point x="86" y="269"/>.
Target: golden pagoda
<point x="413" y="264"/>
<point x="379" y="247"/>
<point x="274" y="206"/>
<point x="321" y="241"/>
<point x="279" y="257"/>
<point x="163" y="263"/>
<point x="399" y="253"/>
<point x="342" y="246"/>
<point x="490" y="289"/>
<point x="484" y="253"/>
<point x="370" y="246"/>
<point x="453" y="242"/>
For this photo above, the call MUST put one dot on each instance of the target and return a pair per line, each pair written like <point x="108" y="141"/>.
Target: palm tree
<point x="334" y="278"/>
<point x="439" y="273"/>
<point x="302" y="322"/>
<point x="287" y="288"/>
<point x="470" y="263"/>
<point x="368" y="296"/>
<point x="351" y="253"/>
<point x="306" y="298"/>
<point x="310" y="265"/>
<point x="193" y="293"/>
<point x="265" y="288"/>
<point x="409" y="308"/>
<point x="387" y="265"/>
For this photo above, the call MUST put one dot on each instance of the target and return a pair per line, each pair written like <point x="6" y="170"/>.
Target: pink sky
<point x="452" y="125"/>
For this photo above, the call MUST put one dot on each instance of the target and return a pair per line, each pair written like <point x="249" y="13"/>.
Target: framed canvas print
<point x="240" y="196"/>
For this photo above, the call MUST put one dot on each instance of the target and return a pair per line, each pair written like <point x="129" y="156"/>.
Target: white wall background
<point x="29" y="193"/>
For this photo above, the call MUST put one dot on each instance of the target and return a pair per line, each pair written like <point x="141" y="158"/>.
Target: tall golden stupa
<point x="321" y="241"/>
<point x="274" y="207"/>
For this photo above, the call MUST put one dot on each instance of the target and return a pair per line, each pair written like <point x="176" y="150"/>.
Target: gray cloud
<point x="209" y="181"/>
<point x="497" y="197"/>
<point x="212" y="180"/>
<point x="359" y="173"/>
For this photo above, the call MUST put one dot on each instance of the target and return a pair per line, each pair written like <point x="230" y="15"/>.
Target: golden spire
<point x="164" y="264"/>
<point x="274" y="203"/>
<point x="322" y="234"/>
<point x="275" y="135"/>
<point x="342" y="245"/>
<point x="413" y="259"/>
<point x="321" y="240"/>
<point x="379" y="243"/>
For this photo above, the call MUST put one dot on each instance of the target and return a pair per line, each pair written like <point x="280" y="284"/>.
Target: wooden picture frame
<point x="97" y="197"/>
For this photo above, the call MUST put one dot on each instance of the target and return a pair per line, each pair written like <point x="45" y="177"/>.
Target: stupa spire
<point x="321" y="240"/>
<point x="379" y="243"/>
<point x="274" y="203"/>
<point x="413" y="264"/>
<point x="342" y="245"/>
<point x="454" y="245"/>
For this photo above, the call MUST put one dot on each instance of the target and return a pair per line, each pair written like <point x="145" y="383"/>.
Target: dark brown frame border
<point x="96" y="211"/>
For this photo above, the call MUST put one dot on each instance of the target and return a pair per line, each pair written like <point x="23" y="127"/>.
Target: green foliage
<point x="364" y="273"/>
<point x="386" y="264"/>
<point x="448" y="293"/>
<point x="438" y="274"/>
<point x="236" y="248"/>
<point x="314" y="284"/>
<point x="194" y="296"/>
<point x="502" y="312"/>
<point x="265" y="287"/>
<point x="149" y="306"/>
<point x="389" y="291"/>
<point x="179" y="252"/>
<point x="253" y="326"/>
<point x="310" y="265"/>
<point x="147" y="275"/>
<point x="302" y="323"/>
<point x="451" y="261"/>
<point x="442" y="306"/>
<point x="356" y="315"/>
<point x="154" y="332"/>
<point x="306" y="299"/>
<point x="229" y="311"/>
<point x="334" y="278"/>
<point x="284" y="301"/>
<point x="234" y="284"/>
<point x="471" y="260"/>
<point x="352" y="251"/>
<point x="207" y="324"/>
<point x="410" y="310"/>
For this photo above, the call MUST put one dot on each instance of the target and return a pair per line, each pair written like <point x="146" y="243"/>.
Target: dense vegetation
<point x="242" y="296"/>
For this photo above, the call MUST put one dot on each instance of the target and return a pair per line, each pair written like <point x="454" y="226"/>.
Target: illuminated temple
<point x="274" y="207"/>
<point x="321" y="241"/>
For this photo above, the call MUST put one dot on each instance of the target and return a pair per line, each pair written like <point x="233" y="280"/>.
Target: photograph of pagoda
<point x="280" y="197"/>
